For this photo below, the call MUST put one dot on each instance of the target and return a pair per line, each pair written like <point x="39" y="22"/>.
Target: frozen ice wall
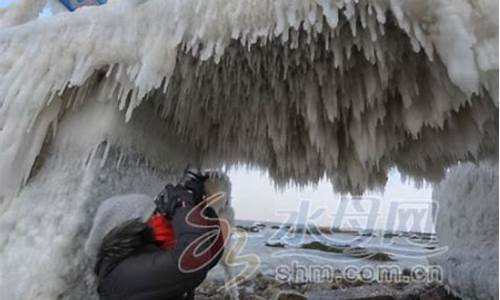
<point x="342" y="88"/>
<point x="43" y="231"/>
<point x="467" y="223"/>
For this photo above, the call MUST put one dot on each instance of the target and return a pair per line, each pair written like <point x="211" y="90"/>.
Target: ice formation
<point x="467" y="223"/>
<point x="304" y="88"/>
<point x="42" y="234"/>
<point x="20" y="12"/>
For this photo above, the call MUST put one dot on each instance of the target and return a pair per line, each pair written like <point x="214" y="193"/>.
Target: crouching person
<point x="147" y="250"/>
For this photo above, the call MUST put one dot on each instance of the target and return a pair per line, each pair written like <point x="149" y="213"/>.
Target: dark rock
<point x="426" y="292"/>
<point x="366" y="292"/>
<point x="262" y="282"/>
<point x="297" y="230"/>
<point x="406" y="272"/>
<point x="390" y="235"/>
<point x="275" y="244"/>
<point x="346" y="250"/>
<point x="289" y="295"/>
<point x="313" y="230"/>
<point x="322" y="247"/>
<point x="380" y="256"/>
<point x="253" y="229"/>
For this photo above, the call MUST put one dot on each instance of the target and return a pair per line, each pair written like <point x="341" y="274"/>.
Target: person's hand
<point x="173" y="197"/>
<point x="195" y="183"/>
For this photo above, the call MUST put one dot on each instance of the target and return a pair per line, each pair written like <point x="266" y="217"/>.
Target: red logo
<point x="202" y="251"/>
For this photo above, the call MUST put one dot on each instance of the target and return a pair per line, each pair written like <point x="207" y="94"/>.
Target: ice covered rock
<point x="467" y="223"/>
<point x="42" y="234"/>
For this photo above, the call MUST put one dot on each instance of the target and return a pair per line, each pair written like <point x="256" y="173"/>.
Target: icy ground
<point x="405" y="252"/>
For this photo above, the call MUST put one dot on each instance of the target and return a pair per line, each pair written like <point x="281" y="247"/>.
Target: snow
<point x="467" y="223"/>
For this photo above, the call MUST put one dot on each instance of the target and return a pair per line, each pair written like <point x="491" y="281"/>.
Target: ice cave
<point x="120" y="97"/>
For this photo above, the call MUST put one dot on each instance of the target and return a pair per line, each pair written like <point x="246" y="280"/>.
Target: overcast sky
<point x="255" y="198"/>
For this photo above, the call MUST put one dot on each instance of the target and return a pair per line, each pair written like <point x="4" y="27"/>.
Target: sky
<point x="254" y="197"/>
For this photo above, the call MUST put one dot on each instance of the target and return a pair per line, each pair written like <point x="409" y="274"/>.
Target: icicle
<point x="308" y="83"/>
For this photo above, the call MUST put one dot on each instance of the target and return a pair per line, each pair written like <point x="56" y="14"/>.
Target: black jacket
<point x="152" y="273"/>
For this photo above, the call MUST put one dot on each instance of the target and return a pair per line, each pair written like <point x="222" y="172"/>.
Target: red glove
<point x="163" y="232"/>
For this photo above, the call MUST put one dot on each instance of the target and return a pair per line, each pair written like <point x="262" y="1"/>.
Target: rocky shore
<point x="263" y="287"/>
<point x="280" y="247"/>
